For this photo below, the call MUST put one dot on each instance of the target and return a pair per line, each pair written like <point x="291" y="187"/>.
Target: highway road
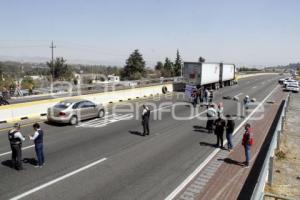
<point x="109" y="160"/>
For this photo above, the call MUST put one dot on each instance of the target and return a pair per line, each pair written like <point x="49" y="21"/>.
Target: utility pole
<point x="52" y="61"/>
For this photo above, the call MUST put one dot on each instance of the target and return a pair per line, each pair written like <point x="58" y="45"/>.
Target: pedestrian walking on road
<point x="211" y="116"/>
<point x="206" y="96"/>
<point x="229" y="131"/>
<point x="15" y="139"/>
<point x="246" y="102"/>
<point x="220" y="109"/>
<point x="194" y="98"/>
<point x="211" y="96"/>
<point x="247" y="142"/>
<point x="38" y="138"/>
<point x="145" y="120"/>
<point x="199" y="95"/>
<point x="219" y="131"/>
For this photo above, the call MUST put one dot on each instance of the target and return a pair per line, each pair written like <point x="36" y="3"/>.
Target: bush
<point x="27" y="83"/>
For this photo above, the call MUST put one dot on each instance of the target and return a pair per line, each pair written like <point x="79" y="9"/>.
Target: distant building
<point x="113" y="78"/>
<point x="36" y="78"/>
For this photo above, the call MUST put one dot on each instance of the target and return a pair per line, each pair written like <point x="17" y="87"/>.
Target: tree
<point x="28" y="83"/>
<point x="135" y="67"/>
<point x="168" y="69"/>
<point x="1" y="72"/>
<point x="60" y="70"/>
<point x="159" y="66"/>
<point x="177" y="65"/>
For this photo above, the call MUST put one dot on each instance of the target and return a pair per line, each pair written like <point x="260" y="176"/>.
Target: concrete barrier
<point x="28" y="110"/>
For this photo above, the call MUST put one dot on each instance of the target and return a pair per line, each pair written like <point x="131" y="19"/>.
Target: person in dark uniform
<point x="219" y="131"/>
<point x="211" y="96"/>
<point x="15" y="139"/>
<point x="38" y="138"/>
<point x="194" y="98"/>
<point x="199" y="95"/>
<point x="229" y="131"/>
<point x="145" y="120"/>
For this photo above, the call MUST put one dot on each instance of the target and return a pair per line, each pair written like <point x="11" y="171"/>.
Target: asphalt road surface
<point x="108" y="159"/>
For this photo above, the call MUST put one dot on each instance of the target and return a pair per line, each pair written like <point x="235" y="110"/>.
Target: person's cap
<point x="247" y="96"/>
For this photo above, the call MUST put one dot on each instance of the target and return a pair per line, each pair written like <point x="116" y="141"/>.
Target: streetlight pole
<point x="52" y="59"/>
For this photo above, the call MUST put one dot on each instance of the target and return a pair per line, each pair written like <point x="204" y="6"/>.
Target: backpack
<point x="246" y="139"/>
<point x="251" y="141"/>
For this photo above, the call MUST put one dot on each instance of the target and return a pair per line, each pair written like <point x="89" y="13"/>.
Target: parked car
<point x="74" y="110"/>
<point x="280" y="81"/>
<point x="293" y="87"/>
<point x="288" y="81"/>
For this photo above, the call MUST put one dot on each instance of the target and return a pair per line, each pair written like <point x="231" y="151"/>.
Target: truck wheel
<point x="164" y="89"/>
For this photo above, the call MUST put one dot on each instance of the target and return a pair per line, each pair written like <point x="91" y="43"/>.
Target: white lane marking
<point x="254" y="87"/>
<point x="239" y="94"/>
<point x="206" y="161"/>
<point x="57" y="179"/>
<point x="109" y="119"/>
<point x="161" y="108"/>
<point x="9" y="152"/>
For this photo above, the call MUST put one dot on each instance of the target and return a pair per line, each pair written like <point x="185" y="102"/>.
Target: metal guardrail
<point x="266" y="174"/>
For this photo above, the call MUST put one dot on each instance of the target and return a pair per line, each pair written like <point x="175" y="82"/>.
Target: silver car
<point x="74" y="110"/>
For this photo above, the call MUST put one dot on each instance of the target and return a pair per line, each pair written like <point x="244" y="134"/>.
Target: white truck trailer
<point x="208" y="75"/>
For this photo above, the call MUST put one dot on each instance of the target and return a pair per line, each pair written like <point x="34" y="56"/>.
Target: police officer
<point x="15" y="138"/>
<point x="37" y="137"/>
<point x="145" y="120"/>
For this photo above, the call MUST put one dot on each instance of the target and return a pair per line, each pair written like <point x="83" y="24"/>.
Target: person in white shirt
<point x="15" y="139"/>
<point x="211" y="116"/>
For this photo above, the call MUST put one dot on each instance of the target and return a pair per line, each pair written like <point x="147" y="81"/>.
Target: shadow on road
<point x="56" y="124"/>
<point x="31" y="161"/>
<point x="207" y="144"/>
<point x="232" y="162"/>
<point x="7" y="163"/>
<point x="200" y="129"/>
<point x="135" y="133"/>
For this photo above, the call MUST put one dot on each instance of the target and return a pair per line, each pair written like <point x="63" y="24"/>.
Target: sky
<point x="250" y="33"/>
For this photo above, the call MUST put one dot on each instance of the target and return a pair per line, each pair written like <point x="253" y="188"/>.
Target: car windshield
<point x="62" y="105"/>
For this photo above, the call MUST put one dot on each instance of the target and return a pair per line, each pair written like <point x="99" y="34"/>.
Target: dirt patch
<point x="286" y="179"/>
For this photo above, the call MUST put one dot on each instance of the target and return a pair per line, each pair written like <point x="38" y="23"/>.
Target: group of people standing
<point x="217" y="123"/>
<point x="16" y="139"/>
<point x="206" y="98"/>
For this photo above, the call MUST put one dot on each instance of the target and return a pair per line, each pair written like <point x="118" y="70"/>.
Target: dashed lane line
<point x="33" y="190"/>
